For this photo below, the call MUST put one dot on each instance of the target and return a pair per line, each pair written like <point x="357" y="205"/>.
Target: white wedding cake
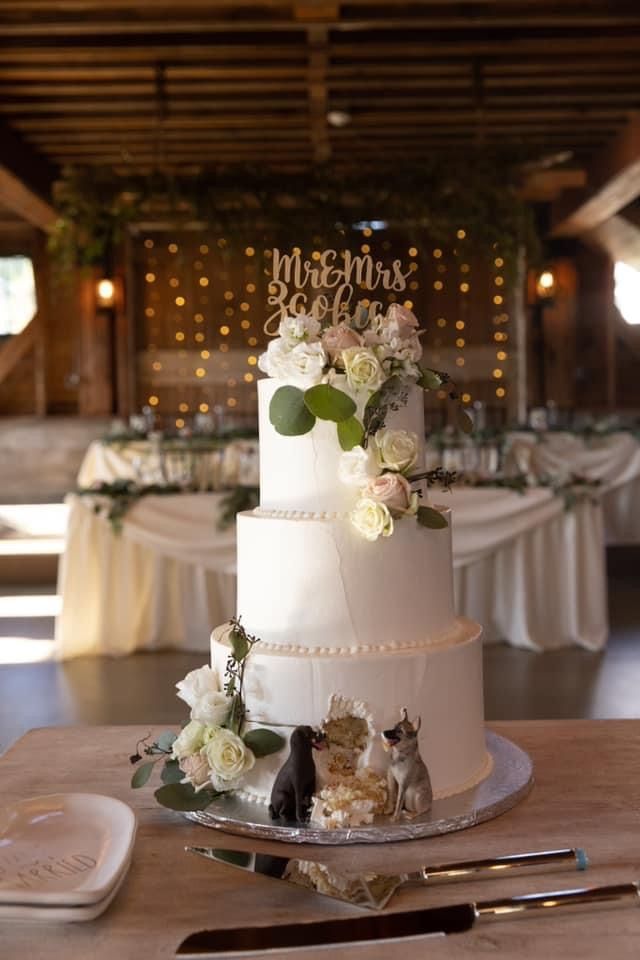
<point x="344" y="574"/>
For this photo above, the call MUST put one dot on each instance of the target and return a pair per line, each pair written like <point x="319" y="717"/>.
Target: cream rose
<point x="363" y="368"/>
<point x="196" y="771"/>
<point x="340" y="337"/>
<point x="228" y="758"/>
<point x="392" y="489"/>
<point x="372" y="519"/>
<point x="302" y="365"/>
<point x="396" y="449"/>
<point x="189" y="741"/>
<point x="299" y="328"/>
<point x="358" y="465"/>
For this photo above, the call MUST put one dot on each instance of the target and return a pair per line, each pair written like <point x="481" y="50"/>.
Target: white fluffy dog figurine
<point x="408" y="781"/>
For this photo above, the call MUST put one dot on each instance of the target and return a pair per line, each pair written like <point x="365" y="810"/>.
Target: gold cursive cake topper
<point x="325" y="286"/>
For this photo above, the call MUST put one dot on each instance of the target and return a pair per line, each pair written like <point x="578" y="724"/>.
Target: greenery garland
<point x="477" y="191"/>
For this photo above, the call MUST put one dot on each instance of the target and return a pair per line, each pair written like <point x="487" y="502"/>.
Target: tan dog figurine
<point x="408" y="781"/>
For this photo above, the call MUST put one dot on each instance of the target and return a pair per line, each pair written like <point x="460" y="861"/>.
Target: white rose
<point x="228" y="758"/>
<point x="391" y="489"/>
<point x="396" y="449"/>
<point x="294" y="330"/>
<point x="197" y="683"/>
<point x="358" y="465"/>
<point x="211" y="708"/>
<point x="372" y="519"/>
<point x="196" y="771"/>
<point x="190" y="739"/>
<point x="302" y="365"/>
<point x="363" y="368"/>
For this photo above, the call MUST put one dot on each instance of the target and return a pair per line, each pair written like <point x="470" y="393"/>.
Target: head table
<point x="584" y="796"/>
<point x="529" y="570"/>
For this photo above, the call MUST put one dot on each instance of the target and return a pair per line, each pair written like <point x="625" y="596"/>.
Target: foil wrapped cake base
<point x="509" y="781"/>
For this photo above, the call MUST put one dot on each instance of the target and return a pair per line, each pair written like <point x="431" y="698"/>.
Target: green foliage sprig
<point x="115" y="499"/>
<point x="180" y="796"/>
<point x="234" y="502"/>
<point x="477" y="190"/>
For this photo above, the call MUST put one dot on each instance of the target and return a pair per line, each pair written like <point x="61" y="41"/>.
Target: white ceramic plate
<point x="62" y="914"/>
<point x="66" y="849"/>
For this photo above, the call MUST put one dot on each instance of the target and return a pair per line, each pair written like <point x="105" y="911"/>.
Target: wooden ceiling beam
<point x="129" y="105"/>
<point x="614" y="179"/>
<point x="147" y="25"/>
<point x="26" y="178"/>
<point x="152" y="53"/>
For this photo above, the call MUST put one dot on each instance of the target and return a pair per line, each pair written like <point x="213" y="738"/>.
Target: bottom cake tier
<point x="440" y="683"/>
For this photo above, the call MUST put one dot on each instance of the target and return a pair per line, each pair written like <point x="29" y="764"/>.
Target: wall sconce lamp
<point x="105" y="292"/>
<point x="546" y="285"/>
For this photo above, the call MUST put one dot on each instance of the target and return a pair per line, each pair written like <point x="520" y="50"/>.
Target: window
<point x="626" y="293"/>
<point x="17" y="294"/>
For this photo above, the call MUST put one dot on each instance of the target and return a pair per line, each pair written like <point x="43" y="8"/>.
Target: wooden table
<point x="587" y="793"/>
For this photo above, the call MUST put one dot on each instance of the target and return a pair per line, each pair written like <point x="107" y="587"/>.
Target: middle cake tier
<point x="310" y="581"/>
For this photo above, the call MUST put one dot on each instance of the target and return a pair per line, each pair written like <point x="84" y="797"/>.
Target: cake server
<point x="381" y="927"/>
<point x="374" y="890"/>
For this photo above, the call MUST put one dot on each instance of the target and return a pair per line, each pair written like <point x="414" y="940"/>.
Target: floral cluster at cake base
<point x="213" y="752"/>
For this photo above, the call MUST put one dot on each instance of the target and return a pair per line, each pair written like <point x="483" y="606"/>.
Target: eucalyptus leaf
<point x="429" y="379"/>
<point x="171" y="772"/>
<point x="239" y="645"/>
<point x="288" y="413"/>
<point x="464" y="421"/>
<point x="183" y="797"/>
<point x="433" y="519"/>
<point x="165" y="740"/>
<point x="328" y="403"/>
<point x="350" y="433"/>
<point x="263" y="742"/>
<point x="142" y="774"/>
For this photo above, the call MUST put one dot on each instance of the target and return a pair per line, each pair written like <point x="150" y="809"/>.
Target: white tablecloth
<point x="164" y="581"/>
<point x="613" y="459"/>
<point x="530" y="572"/>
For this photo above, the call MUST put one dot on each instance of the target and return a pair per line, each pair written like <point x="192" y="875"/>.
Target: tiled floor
<point x="139" y="689"/>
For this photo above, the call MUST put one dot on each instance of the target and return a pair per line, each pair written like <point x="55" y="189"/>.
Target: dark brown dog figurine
<point x="295" y="783"/>
<point x="408" y="781"/>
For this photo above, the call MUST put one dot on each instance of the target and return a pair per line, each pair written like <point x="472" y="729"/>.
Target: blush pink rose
<point x="405" y="321"/>
<point x="196" y="771"/>
<point x="337" y="338"/>
<point x="392" y="489"/>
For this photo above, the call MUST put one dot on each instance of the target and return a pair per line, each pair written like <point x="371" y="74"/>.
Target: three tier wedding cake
<point x="345" y="570"/>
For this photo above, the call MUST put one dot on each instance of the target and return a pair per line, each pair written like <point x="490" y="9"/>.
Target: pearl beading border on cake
<point x="273" y="514"/>
<point x="463" y="631"/>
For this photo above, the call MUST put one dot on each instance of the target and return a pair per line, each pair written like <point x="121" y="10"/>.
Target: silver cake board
<point x="509" y="781"/>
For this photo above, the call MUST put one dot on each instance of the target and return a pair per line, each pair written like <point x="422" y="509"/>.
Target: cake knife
<point x="374" y="890"/>
<point x="406" y="925"/>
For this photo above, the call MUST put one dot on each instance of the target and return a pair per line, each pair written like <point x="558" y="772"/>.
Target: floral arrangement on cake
<point x="213" y="751"/>
<point x="354" y="373"/>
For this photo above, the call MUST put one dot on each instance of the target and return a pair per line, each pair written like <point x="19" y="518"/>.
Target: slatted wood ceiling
<point x="198" y="83"/>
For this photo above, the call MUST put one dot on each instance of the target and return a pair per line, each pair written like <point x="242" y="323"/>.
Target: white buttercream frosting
<point x="301" y="473"/>
<point x="442" y="685"/>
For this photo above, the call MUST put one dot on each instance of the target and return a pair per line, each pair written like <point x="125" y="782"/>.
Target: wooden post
<point x="95" y="393"/>
<point x="40" y="321"/>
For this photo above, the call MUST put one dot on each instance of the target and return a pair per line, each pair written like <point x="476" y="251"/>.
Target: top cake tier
<point x="301" y="473"/>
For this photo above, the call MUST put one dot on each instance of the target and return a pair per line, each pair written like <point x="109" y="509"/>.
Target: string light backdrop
<point x="200" y="307"/>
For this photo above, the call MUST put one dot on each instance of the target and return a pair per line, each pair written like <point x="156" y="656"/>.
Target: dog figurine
<point x="408" y="781"/>
<point x="295" y="783"/>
